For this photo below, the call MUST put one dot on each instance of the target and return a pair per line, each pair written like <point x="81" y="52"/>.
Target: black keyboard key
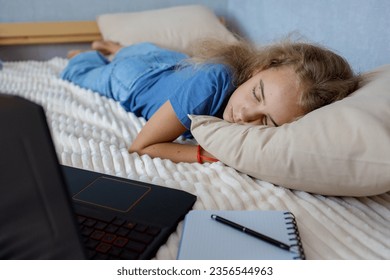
<point x="111" y="228"/>
<point x="135" y="246"/>
<point x="122" y="231"/>
<point x="89" y="223"/>
<point x="141" y="227"/>
<point x="115" y="252"/>
<point x="153" y="231"/>
<point x="129" y="225"/>
<point x="118" y="222"/>
<point x="100" y="225"/>
<point x="103" y="217"/>
<point x="144" y="238"/>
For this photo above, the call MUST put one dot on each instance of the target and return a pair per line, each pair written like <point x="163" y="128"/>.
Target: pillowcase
<point x="341" y="149"/>
<point x="174" y="28"/>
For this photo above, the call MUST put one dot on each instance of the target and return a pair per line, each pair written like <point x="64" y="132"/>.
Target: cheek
<point x="231" y="105"/>
<point x="237" y="97"/>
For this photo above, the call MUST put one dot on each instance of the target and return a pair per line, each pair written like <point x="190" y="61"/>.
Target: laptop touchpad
<point x="113" y="194"/>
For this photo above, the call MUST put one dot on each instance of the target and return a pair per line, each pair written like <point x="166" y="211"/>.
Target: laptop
<point x="52" y="211"/>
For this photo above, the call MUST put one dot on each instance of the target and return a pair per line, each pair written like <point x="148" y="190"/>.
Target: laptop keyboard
<point x="115" y="238"/>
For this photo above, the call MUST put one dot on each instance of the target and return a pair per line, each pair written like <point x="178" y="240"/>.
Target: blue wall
<point x="57" y="10"/>
<point x="357" y="29"/>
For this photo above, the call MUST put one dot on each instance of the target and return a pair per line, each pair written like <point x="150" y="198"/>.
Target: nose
<point x="248" y="116"/>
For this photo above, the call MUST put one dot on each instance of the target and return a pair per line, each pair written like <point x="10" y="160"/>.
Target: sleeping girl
<point x="238" y="82"/>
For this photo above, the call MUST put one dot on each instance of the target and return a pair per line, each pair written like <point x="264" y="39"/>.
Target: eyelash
<point x="265" y="119"/>
<point x="254" y="94"/>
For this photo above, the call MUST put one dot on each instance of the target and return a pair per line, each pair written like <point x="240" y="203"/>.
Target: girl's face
<point x="269" y="97"/>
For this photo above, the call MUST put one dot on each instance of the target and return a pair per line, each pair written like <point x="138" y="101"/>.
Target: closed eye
<point x="265" y="121"/>
<point x="272" y="120"/>
<point x="268" y="121"/>
<point x="254" y="94"/>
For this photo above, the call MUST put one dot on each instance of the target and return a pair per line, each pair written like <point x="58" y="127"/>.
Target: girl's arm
<point x="155" y="138"/>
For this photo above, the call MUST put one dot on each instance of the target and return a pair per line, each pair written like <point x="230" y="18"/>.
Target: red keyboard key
<point x="120" y="242"/>
<point x="109" y="238"/>
<point x="97" y="235"/>
<point x="103" y="248"/>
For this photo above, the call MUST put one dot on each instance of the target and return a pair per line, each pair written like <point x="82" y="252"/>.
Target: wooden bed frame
<point x="51" y="32"/>
<point x="27" y="33"/>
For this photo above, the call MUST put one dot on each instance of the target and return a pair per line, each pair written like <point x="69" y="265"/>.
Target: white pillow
<point x="174" y="28"/>
<point x="342" y="149"/>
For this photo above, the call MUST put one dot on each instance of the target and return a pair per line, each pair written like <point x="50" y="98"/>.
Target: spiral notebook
<point x="206" y="239"/>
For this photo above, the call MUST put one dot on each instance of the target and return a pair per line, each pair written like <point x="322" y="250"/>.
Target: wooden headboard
<point x="48" y="32"/>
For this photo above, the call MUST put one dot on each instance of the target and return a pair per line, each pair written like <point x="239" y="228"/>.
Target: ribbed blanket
<point x="93" y="132"/>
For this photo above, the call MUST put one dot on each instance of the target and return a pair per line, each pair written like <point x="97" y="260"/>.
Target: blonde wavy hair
<point x="324" y="76"/>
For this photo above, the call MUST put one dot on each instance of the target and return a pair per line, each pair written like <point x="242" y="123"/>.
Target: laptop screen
<point x="36" y="215"/>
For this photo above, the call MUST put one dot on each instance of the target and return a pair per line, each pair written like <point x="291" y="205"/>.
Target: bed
<point x="92" y="132"/>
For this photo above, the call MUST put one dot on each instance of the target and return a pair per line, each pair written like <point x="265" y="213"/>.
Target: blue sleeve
<point x="202" y="92"/>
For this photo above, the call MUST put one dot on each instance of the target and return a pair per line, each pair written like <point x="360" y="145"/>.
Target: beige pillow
<point x="342" y="149"/>
<point x="173" y="28"/>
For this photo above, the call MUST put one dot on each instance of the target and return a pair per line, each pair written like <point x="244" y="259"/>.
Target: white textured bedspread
<point x="92" y="132"/>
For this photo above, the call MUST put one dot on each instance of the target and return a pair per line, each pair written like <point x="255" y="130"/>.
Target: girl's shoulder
<point x="207" y="71"/>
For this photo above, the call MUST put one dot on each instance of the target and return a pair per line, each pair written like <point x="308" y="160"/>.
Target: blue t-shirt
<point x="143" y="77"/>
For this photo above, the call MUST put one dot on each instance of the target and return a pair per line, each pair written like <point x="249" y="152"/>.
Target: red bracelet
<point x="200" y="157"/>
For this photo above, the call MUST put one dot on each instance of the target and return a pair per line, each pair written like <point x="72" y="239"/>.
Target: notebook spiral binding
<point x="292" y="229"/>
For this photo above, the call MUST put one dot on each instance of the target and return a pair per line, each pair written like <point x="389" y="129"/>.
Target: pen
<point x="250" y="232"/>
